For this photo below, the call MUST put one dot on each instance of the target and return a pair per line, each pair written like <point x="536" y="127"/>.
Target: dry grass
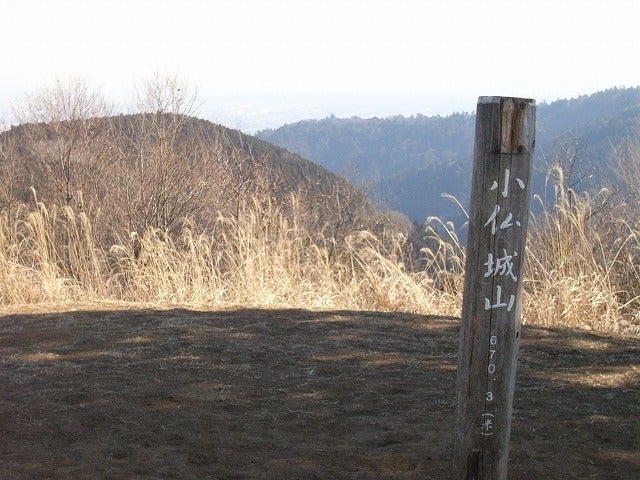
<point x="264" y="257"/>
<point x="582" y="264"/>
<point x="581" y="270"/>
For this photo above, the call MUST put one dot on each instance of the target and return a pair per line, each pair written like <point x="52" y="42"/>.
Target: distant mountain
<point x="374" y="149"/>
<point x="408" y="162"/>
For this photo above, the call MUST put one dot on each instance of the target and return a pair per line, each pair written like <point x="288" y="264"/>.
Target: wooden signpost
<point x="491" y="310"/>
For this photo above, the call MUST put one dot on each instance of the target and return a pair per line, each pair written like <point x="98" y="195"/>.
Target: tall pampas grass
<point x="263" y="256"/>
<point x="581" y="266"/>
<point x="581" y="263"/>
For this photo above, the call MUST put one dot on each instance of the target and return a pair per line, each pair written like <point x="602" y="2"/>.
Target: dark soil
<point x="294" y="394"/>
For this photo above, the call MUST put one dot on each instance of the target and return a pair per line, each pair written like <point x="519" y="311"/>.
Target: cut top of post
<point x="513" y="122"/>
<point x="489" y="99"/>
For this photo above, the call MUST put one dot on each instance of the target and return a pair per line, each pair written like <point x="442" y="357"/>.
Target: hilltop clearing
<point x="289" y="394"/>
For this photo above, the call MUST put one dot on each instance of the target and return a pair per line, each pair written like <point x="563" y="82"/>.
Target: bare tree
<point x="242" y="176"/>
<point x="164" y="163"/>
<point x="11" y="174"/>
<point x="65" y="147"/>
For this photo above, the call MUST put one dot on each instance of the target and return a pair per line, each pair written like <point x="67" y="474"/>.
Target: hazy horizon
<point x="262" y="63"/>
<point x="251" y="113"/>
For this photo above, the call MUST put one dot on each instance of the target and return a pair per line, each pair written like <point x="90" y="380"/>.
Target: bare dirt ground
<point x="294" y="394"/>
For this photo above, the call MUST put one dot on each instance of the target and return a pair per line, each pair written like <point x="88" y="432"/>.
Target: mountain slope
<point x="293" y="171"/>
<point x="155" y="170"/>
<point x="411" y="161"/>
<point x="377" y="148"/>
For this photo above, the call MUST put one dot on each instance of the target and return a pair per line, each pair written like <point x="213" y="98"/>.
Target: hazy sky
<point x="262" y="62"/>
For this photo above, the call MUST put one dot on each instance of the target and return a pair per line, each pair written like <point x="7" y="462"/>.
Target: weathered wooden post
<point x="491" y="309"/>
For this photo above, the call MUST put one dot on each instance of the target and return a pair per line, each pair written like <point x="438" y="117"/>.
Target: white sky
<point x="306" y="57"/>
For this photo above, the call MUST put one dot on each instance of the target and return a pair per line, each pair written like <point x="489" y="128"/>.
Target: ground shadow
<point x="288" y="394"/>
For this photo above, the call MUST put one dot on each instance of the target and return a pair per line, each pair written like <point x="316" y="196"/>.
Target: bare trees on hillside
<point x="150" y="169"/>
<point x="158" y="167"/>
<point x="163" y="163"/>
<point x="11" y="175"/>
<point x="66" y="148"/>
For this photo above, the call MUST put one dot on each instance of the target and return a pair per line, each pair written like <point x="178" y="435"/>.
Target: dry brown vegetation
<point x="153" y="210"/>
<point x="583" y="259"/>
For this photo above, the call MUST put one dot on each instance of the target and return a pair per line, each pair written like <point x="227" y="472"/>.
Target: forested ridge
<point x="408" y="162"/>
